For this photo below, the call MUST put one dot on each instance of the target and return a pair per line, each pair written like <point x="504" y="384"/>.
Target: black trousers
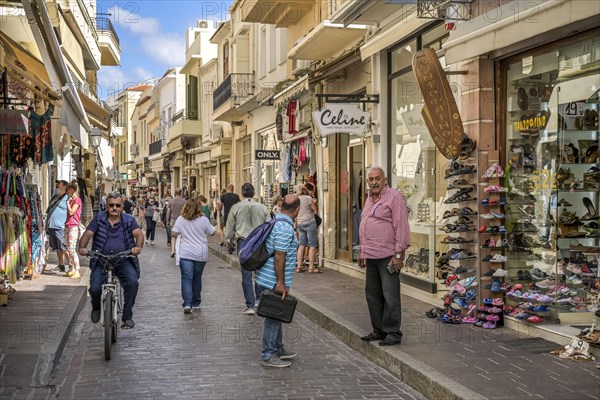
<point x="383" y="298"/>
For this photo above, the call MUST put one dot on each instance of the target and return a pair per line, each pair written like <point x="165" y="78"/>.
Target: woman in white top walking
<point x="193" y="229"/>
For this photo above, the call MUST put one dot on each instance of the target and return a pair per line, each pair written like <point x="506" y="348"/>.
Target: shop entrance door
<point x="351" y="189"/>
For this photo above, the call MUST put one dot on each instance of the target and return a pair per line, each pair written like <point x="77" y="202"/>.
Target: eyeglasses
<point x="115" y="205"/>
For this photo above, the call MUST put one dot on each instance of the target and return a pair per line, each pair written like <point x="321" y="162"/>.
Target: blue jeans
<point x="150" y="228"/>
<point x="251" y="295"/>
<point x="128" y="278"/>
<point x="191" y="281"/>
<point x="272" y="338"/>
<point x="168" y="228"/>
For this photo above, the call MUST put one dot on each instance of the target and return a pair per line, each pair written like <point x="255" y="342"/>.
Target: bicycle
<point x="112" y="297"/>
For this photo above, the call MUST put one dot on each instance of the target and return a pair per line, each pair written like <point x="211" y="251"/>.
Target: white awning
<point x="105" y="152"/>
<point x="325" y="40"/>
<point x="484" y="34"/>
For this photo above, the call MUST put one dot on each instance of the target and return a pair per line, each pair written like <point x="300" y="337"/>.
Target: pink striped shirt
<point x="384" y="228"/>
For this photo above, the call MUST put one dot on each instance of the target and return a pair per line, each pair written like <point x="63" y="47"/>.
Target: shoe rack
<point x="492" y="239"/>
<point x="577" y="187"/>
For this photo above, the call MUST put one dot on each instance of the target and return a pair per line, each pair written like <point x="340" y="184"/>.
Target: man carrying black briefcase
<point x="276" y="276"/>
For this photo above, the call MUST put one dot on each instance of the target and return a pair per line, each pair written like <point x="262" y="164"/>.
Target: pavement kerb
<point x="421" y="377"/>
<point x="68" y="317"/>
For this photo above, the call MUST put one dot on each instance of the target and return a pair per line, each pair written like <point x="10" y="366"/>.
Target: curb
<point x="67" y="319"/>
<point x="416" y="374"/>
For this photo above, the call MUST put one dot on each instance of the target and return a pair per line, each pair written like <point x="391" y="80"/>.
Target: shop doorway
<point x="351" y="188"/>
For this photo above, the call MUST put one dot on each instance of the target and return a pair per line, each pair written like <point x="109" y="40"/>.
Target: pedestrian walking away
<point x="149" y="208"/>
<point x="277" y="275"/>
<point x="384" y="238"/>
<point x="191" y="231"/>
<point x="227" y="200"/>
<point x="113" y="232"/>
<point x="74" y="206"/>
<point x="242" y="219"/>
<point x="56" y="215"/>
<point x="174" y="207"/>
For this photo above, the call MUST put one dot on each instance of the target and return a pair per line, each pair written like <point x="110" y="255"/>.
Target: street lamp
<point x="95" y="137"/>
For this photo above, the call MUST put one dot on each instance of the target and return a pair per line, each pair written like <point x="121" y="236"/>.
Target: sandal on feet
<point x="299" y="270"/>
<point x="315" y="270"/>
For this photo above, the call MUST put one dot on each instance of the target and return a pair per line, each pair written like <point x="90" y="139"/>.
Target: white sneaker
<point x="152" y="242"/>
<point x="249" y="311"/>
<point x="187" y="310"/>
<point x="500" y="273"/>
<point x="499" y="258"/>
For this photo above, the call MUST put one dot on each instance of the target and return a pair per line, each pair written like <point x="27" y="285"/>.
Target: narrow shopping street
<point x="213" y="353"/>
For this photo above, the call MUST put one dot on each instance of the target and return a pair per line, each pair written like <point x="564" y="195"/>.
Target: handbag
<point x="318" y="220"/>
<point x="156" y="216"/>
<point x="271" y="306"/>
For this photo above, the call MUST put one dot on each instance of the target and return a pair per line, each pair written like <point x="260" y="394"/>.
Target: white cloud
<point x="165" y="48"/>
<point x="142" y="74"/>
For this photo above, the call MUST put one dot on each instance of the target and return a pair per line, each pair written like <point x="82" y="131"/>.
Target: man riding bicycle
<point x="113" y="232"/>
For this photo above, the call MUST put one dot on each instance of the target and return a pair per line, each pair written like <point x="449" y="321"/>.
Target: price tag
<point x="580" y="345"/>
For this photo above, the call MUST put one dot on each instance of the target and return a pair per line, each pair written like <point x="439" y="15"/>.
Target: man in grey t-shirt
<point x="174" y="208"/>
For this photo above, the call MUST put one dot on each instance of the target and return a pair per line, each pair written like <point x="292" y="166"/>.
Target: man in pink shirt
<point x="384" y="238"/>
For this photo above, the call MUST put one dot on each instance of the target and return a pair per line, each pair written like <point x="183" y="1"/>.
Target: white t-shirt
<point x="193" y="236"/>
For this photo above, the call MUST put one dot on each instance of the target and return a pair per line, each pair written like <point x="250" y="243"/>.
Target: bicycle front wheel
<point x="108" y="324"/>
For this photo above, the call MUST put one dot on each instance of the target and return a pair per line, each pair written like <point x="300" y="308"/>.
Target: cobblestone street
<point x="213" y="353"/>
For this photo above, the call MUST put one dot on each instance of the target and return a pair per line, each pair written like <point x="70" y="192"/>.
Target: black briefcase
<point x="271" y="306"/>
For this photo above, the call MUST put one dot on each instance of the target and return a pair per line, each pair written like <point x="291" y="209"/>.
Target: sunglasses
<point x="114" y="205"/>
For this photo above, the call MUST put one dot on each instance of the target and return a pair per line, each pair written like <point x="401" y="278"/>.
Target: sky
<point x="152" y="37"/>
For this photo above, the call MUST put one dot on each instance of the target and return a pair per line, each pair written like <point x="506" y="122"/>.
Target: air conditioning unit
<point x="134" y="149"/>
<point x="202" y="24"/>
<point x="300" y="67"/>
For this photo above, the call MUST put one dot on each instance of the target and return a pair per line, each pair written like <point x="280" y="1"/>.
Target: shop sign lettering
<point x="341" y="118"/>
<point x="440" y="111"/>
<point x="531" y="123"/>
<point x="267" y="154"/>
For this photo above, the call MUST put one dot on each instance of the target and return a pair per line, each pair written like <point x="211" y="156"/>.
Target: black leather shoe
<point x="371" y="337"/>
<point x="95" y="316"/>
<point x="389" y="341"/>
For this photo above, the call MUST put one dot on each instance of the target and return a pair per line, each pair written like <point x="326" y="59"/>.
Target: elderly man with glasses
<point x="113" y="232"/>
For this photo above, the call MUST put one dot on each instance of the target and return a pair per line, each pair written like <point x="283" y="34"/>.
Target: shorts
<point x="307" y="235"/>
<point x="56" y="238"/>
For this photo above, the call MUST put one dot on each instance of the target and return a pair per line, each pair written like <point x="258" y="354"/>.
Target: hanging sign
<point x="13" y="122"/>
<point x="267" y="154"/>
<point x="164" y="176"/>
<point x="440" y="112"/>
<point x="152" y="181"/>
<point x="132" y="182"/>
<point x="341" y="118"/>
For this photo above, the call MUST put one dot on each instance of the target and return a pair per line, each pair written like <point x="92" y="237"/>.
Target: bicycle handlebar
<point x="97" y="254"/>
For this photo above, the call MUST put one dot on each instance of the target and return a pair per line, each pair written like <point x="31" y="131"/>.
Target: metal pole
<point x="97" y="198"/>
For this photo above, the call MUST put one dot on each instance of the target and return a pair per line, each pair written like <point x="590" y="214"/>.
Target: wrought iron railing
<point x="236" y="86"/>
<point x="184" y="114"/>
<point x="105" y="24"/>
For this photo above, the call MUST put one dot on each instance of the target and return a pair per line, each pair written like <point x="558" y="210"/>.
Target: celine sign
<point x="341" y="118"/>
<point x="440" y="111"/>
<point x="267" y="154"/>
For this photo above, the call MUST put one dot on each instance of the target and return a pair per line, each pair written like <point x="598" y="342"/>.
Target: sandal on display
<point x="467" y="147"/>
<point x="591" y="214"/>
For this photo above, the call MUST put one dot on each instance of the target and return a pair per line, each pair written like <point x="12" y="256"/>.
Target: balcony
<point x="229" y="95"/>
<point x="108" y="40"/>
<point x="326" y="40"/>
<point x="282" y="13"/>
<point x="185" y="124"/>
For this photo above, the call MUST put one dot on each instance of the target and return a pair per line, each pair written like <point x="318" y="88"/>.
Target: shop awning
<point x="575" y="90"/>
<point x="105" y="152"/>
<point x="325" y="40"/>
<point x="29" y="65"/>
<point x="98" y="114"/>
<point x="482" y="35"/>
<point x="295" y="90"/>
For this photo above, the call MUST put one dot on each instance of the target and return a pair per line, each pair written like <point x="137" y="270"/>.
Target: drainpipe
<point x="320" y="194"/>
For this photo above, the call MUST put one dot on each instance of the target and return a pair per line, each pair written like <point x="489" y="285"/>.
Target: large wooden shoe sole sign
<point x="440" y="111"/>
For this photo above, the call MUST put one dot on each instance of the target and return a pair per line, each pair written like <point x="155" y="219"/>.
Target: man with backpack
<point x="243" y="217"/>
<point x="276" y="275"/>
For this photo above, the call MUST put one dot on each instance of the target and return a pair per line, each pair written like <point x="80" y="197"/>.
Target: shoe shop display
<point x="553" y="186"/>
